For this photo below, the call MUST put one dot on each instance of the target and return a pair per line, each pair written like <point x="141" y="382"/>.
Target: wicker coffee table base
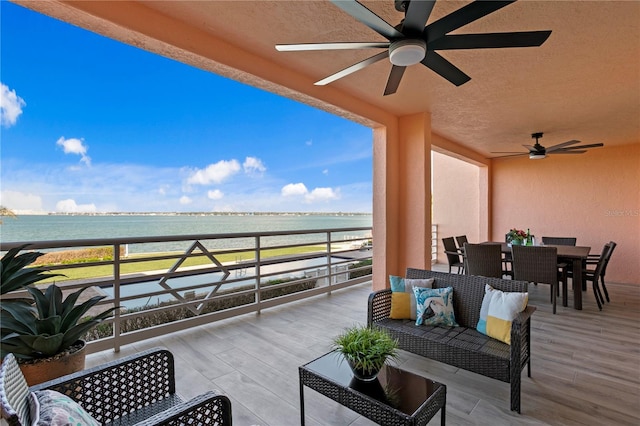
<point x="368" y="407"/>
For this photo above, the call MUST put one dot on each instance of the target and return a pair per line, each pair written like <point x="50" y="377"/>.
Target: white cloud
<point x="20" y="202"/>
<point x="293" y="189"/>
<point x="184" y="200"/>
<point x="322" y="194"/>
<point x="216" y="194"/>
<point x="70" y="206"/>
<point x="214" y="173"/>
<point x="253" y="166"/>
<point x="309" y="143"/>
<point x="316" y="195"/>
<point x="325" y="172"/>
<point x="10" y="106"/>
<point x="75" y="146"/>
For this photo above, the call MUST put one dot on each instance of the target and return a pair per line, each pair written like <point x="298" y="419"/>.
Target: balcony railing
<point x="169" y="283"/>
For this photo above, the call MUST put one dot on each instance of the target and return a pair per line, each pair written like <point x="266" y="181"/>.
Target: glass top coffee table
<point x="395" y="397"/>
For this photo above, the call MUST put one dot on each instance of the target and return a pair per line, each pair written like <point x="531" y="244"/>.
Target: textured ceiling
<point x="582" y="83"/>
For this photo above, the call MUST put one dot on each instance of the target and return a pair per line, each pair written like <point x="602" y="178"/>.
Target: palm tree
<point x="6" y="212"/>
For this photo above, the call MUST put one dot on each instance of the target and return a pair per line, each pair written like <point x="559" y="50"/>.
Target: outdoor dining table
<point x="577" y="256"/>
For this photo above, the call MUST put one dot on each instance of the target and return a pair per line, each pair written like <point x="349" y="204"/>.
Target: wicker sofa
<point x="138" y="389"/>
<point x="463" y="346"/>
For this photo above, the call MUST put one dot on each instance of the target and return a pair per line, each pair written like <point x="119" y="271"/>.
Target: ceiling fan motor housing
<point x="407" y="52"/>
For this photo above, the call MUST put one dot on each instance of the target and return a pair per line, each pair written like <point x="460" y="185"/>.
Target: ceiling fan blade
<point x="353" y="68"/>
<point x="446" y="69"/>
<point x="531" y="148"/>
<point x="512" y="155"/>
<point x="567" y="152"/>
<point x="394" y="80"/>
<point x="461" y="17"/>
<point x="491" y="40"/>
<point x="329" y="46"/>
<point x="562" y="145"/>
<point x="367" y="17"/>
<point x="507" y="152"/>
<point x="593" y="145"/>
<point x="416" y="17"/>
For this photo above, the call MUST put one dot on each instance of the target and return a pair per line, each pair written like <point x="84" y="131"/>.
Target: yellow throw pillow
<point x="400" y="305"/>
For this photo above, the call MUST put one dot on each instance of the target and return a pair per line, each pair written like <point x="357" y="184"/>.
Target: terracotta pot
<point x="54" y="367"/>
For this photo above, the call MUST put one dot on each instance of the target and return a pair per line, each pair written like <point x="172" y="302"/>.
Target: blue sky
<point x="91" y="124"/>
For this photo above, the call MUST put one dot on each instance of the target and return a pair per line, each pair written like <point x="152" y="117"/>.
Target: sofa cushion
<point x="498" y="311"/>
<point x="435" y="306"/>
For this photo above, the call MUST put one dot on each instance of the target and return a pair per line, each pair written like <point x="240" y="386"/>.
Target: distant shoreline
<point x="202" y="214"/>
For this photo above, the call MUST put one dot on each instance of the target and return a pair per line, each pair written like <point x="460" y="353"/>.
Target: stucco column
<point x="401" y="197"/>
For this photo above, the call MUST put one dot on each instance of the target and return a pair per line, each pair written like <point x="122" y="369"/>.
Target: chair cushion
<point x="403" y="300"/>
<point x="51" y="408"/>
<point x="435" y="306"/>
<point x="498" y="311"/>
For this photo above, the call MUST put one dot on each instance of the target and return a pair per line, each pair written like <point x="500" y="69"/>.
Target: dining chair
<point x="537" y="264"/>
<point x="484" y="260"/>
<point x="604" y="269"/>
<point x="596" y="275"/>
<point x="460" y="240"/>
<point x="453" y="254"/>
<point x="559" y="241"/>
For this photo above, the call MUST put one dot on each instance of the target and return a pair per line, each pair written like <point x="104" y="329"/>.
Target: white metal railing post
<point x="258" y="280"/>
<point x="116" y="297"/>
<point x="329" y="271"/>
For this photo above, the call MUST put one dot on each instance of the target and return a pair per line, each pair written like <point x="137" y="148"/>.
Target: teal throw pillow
<point x="435" y="306"/>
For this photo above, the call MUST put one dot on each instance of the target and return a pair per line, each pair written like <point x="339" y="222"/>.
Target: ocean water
<point x="71" y="227"/>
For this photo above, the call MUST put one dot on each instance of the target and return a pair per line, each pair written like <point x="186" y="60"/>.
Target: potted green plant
<point x="45" y="330"/>
<point x="366" y="349"/>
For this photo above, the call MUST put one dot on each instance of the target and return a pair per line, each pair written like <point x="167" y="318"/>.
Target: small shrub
<point x="362" y="272"/>
<point x="180" y="313"/>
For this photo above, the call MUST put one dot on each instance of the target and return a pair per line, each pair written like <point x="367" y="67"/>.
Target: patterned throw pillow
<point x="403" y="301"/>
<point x="498" y="311"/>
<point x="51" y="408"/>
<point x="435" y="306"/>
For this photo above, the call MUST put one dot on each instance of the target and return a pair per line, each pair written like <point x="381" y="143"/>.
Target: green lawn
<point x="155" y="265"/>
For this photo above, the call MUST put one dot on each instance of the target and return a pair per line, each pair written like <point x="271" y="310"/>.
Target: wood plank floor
<point x="585" y="364"/>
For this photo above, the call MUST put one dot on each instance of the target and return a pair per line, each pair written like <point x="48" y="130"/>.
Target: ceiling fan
<point x="538" y="152"/>
<point x="411" y="42"/>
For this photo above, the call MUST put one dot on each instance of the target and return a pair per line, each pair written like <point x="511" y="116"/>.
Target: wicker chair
<point x="460" y="240"/>
<point x="604" y="269"/>
<point x="483" y="260"/>
<point x="138" y="389"/>
<point x="537" y="264"/>
<point x="559" y="241"/>
<point x="453" y="254"/>
<point x="597" y="274"/>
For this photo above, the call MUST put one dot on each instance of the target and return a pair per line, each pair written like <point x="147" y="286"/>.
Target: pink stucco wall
<point x="594" y="197"/>
<point x="456" y="199"/>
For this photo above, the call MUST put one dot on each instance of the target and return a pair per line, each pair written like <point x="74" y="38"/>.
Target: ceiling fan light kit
<point x="404" y="53"/>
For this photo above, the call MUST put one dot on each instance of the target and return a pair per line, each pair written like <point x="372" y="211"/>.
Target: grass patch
<point x="83" y="256"/>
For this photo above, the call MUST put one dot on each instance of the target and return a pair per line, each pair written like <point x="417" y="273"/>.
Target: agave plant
<point x="14" y="274"/>
<point x="50" y="327"/>
<point x="46" y="324"/>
